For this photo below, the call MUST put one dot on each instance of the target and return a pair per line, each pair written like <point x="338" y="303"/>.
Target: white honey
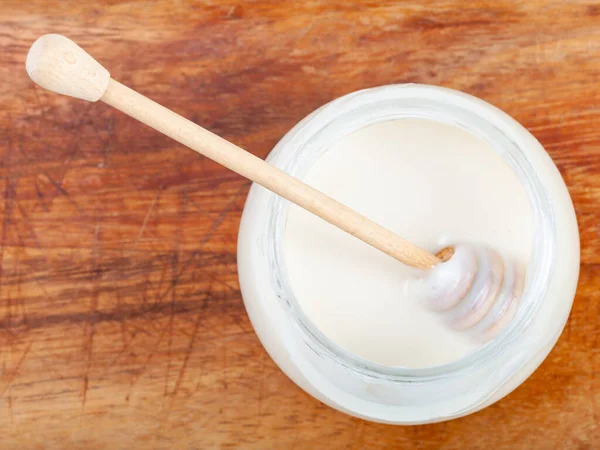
<point x="431" y="183"/>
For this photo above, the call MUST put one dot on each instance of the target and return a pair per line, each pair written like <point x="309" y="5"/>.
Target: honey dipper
<point x="474" y="288"/>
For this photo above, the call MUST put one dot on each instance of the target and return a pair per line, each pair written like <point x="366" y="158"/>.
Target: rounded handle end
<point x="58" y="64"/>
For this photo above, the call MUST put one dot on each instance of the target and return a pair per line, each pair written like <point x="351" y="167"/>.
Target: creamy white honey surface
<point x="431" y="183"/>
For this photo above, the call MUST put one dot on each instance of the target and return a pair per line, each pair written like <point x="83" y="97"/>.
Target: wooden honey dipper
<point x="474" y="289"/>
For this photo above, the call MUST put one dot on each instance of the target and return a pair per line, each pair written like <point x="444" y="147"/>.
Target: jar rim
<point x="315" y="134"/>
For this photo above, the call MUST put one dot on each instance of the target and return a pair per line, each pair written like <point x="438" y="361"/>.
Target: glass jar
<point x="393" y="394"/>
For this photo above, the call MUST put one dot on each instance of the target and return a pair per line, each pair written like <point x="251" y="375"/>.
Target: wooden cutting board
<point x="121" y="321"/>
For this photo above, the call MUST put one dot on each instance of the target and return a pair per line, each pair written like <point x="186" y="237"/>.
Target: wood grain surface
<point x="121" y="321"/>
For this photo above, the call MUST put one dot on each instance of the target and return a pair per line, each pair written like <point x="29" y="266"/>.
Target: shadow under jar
<point x="389" y="393"/>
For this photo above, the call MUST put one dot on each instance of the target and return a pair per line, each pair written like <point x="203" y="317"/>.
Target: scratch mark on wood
<point x="110" y="127"/>
<point x="9" y="199"/>
<point x="84" y="395"/>
<point x="145" y="222"/>
<point x="40" y="196"/>
<point x="10" y="407"/>
<point x="91" y="325"/>
<point x="17" y="269"/>
<point x="9" y="202"/>
<point x="26" y="221"/>
<point x="147" y="285"/>
<point x="124" y="334"/>
<point x="163" y="274"/>
<point x="174" y="263"/>
<point x="226" y="210"/>
<point x="147" y="362"/>
<point x="58" y="186"/>
<point x="12" y="376"/>
<point x="188" y="352"/>
<point x="225" y="384"/>
<point x="175" y="278"/>
<point x="182" y="369"/>
<point x="261" y="389"/>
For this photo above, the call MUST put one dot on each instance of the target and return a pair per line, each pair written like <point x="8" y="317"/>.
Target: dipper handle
<point x="58" y="64"/>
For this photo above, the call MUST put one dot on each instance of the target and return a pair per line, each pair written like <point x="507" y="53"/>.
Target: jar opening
<point x="316" y="134"/>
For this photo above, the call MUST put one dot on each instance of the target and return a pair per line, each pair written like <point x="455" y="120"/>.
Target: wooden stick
<point x="58" y="64"/>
